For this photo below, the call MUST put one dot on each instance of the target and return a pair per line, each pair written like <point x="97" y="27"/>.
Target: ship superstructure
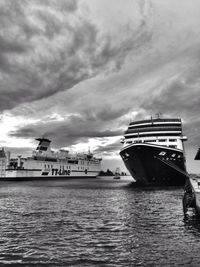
<point x="45" y="163"/>
<point x="153" y="151"/>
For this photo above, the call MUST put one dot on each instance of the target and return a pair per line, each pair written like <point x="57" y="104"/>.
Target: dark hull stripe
<point x="83" y="171"/>
<point x="153" y="146"/>
<point x="45" y="178"/>
<point x="24" y="170"/>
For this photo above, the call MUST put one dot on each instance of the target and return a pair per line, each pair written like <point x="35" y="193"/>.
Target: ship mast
<point x="159" y="115"/>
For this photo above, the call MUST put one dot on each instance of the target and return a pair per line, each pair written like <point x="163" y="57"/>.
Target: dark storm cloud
<point x="7" y="46"/>
<point x="48" y="46"/>
<point x="106" y="114"/>
<point x="75" y="129"/>
<point x="179" y="98"/>
<point x="28" y="65"/>
<point x="109" y="148"/>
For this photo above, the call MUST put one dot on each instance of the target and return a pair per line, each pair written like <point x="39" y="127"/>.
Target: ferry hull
<point x="153" y="165"/>
<point x="22" y="175"/>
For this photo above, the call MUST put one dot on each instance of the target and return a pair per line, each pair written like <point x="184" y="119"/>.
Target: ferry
<point x="46" y="163"/>
<point x="153" y="151"/>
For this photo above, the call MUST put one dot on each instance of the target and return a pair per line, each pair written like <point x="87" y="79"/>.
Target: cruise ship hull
<point x="151" y="164"/>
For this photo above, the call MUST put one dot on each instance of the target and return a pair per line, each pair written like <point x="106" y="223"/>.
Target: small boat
<point x="117" y="174"/>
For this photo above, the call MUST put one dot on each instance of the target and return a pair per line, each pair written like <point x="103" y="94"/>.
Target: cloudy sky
<point x="78" y="71"/>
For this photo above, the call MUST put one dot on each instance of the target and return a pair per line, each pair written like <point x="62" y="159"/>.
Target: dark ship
<point x="153" y="152"/>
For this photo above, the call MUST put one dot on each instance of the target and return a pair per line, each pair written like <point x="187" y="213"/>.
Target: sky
<point x="78" y="71"/>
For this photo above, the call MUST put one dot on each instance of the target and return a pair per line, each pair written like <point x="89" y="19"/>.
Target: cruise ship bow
<point x="153" y="152"/>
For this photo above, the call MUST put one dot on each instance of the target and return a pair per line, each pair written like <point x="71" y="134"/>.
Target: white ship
<point x="45" y="163"/>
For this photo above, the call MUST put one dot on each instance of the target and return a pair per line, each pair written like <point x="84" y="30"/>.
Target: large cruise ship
<point x="153" y="151"/>
<point x="45" y="163"/>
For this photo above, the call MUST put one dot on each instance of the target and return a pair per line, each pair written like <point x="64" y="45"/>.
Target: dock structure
<point x="191" y="198"/>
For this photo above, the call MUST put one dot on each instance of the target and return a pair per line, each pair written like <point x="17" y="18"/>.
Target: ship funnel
<point x="43" y="144"/>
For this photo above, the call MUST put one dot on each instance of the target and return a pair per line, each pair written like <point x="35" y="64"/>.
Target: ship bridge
<point x="167" y="132"/>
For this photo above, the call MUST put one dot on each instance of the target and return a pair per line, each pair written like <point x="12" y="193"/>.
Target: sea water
<point x="95" y="222"/>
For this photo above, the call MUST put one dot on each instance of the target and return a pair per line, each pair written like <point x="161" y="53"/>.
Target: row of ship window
<point x="62" y="167"/>
<point x="148" y="141"/>
<point x="82" y="168"/>
<point x="82" y="162"/>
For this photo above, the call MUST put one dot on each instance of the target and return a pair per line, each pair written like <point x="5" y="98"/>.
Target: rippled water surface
<point x="95" y="222"/>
